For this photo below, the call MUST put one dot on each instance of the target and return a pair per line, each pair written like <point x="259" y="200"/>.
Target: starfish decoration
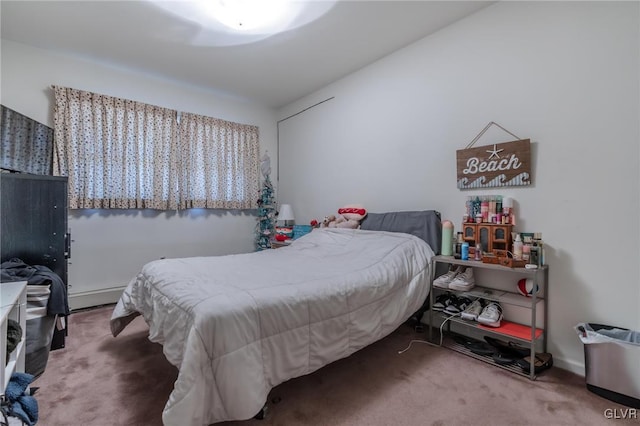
<point x="494" y="152"/>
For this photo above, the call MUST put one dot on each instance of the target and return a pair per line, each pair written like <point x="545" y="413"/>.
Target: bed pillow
<point x="423" y="224"/>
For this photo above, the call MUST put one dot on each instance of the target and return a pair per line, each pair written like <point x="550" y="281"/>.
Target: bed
<point x="236" y="326"/>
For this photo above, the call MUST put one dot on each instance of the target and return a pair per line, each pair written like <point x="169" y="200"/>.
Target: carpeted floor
<point x="101" y="380"/>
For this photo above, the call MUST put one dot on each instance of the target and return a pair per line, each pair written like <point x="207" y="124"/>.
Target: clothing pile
<point x="16" y="270"/>
<point x="19" y="406"/>
<point x="14" y="335"/>
<point x="47" y="306"/>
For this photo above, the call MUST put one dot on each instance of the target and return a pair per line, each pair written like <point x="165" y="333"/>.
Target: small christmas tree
<point x="266" y="225"/>
<point x="266" y="216"/>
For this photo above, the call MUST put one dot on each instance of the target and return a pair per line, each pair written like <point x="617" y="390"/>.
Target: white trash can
<point x="612" y="362"/>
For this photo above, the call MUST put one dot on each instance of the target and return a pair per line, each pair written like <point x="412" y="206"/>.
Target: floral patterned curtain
<point x="220" y="163"/>
<point x="124" y="154"/>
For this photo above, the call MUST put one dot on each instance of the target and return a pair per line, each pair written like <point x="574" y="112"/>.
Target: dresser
<point x="33" y="220"/>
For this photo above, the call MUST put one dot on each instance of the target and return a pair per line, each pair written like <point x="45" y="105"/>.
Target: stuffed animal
<point x="327" y="221"/>
<point x="340" y="222"/>
<point x="348" y="216"/>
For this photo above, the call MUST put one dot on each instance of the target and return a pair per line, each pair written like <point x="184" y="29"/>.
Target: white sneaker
<point x="464" y="281"/>
<point x="491" y="315"/>
<point x="472" y="311"/>
<point x="443" y="280"/>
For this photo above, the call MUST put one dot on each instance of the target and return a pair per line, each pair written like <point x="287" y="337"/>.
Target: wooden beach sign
<point x="497" y="165"/>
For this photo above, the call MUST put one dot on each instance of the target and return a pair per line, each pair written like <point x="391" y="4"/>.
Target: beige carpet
<point x="101" y="380"/>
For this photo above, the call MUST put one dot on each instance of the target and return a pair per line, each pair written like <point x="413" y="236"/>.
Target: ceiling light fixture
<point x="232" y="22"/>
<point x="247" y="15"/>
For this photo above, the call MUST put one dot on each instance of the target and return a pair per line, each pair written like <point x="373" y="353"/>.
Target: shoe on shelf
<point x="464" y="281"/>
<point x="504" y="358"/>
<point x="443" y="301"/>
<point x="443" y="280"/>
<point x="542" y="362"/>
<point x="491" y="315"/>
<point x="510" y="348"/>
<point x="481" y="348"/>
<point x="473" y="310"/>
<point x="459" y="305"/>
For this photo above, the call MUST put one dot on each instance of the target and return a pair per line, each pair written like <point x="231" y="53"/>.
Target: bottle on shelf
<point x="517" y="248"/>
<point x="458" y="247"/>
<point x="507" y="205"/>
<point x="476" y="206"/>
<point x="484" y="209"/>
<point x="465" y="251"/>
<point x="447" y="238"/>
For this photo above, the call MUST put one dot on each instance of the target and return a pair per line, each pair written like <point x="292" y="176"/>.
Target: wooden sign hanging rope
<point x="505" y="164"/>
<point x="491" y="123"/>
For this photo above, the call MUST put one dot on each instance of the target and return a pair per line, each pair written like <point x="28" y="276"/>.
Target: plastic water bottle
<point x="447" y="238"/>
<point x="465" y="251"/>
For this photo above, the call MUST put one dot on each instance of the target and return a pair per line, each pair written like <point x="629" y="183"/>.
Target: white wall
<point x="565" y="75"/>
<point x="110" y="246"/>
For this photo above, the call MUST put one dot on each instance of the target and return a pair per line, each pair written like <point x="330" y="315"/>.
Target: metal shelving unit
<point x="504" y="297"/>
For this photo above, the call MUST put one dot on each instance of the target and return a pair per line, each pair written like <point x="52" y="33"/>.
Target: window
<point x="124" y="154"/>
<point x="217" y="155"/>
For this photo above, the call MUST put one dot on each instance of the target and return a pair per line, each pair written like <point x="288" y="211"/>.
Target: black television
<point x="26" y="145"/>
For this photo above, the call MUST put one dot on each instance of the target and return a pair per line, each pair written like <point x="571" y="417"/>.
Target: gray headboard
<point x="423" y="224"/>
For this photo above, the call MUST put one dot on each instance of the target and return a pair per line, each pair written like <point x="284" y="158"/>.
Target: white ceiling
<point x="273" y="72"/>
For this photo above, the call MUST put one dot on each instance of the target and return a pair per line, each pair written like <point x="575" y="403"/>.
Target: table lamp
<point x="285" y="215"/>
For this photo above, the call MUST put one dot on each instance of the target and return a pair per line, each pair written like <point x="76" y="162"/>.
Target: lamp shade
<point x="286" y="213"/>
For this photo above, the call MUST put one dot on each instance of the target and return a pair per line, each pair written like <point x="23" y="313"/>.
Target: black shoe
<point x="508" y="348"/>
<point x="503" y="359"/>
<point x="460" y="304"/>
<point x="543" y="361"/>
<point x="443" y="301"/>
<point x="462" y="340"/>
<point x="481" y="348"/>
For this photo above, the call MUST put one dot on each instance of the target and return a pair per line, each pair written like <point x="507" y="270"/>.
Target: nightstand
<point x="277" y="244"/>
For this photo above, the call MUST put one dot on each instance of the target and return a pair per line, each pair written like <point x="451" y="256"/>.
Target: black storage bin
<point x="40" y="327"/>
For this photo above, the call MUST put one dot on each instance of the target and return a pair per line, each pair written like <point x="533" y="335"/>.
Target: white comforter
<point x="238" y="325"/>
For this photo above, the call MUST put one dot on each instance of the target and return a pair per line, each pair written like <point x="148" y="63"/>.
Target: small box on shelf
<point x="490" y="258"/>
<point x="503" y="260"/>
<point x="510" y="262"/>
